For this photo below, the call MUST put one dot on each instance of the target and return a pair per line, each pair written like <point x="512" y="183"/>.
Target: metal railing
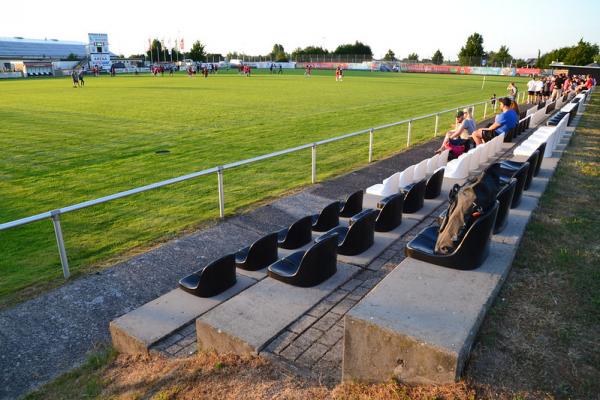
<point x="54" y="215"/>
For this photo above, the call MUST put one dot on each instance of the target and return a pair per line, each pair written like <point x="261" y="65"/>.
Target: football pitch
<point x="62" y="146"/>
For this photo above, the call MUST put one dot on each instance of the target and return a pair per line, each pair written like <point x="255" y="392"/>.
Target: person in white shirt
<point x="539" y="86"/>
<point x="531" y="90"/>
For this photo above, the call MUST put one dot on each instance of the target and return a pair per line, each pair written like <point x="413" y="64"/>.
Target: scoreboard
<point x="98" y="50"/>
<point x="98" y="42"/>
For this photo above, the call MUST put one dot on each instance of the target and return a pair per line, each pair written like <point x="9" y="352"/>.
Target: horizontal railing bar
<point x="378" y="128"/>
<point x="266" y="156"/>
<point x="85" y="204"/>
<point x="325" y="141"/>
<point x="105" y="199"/>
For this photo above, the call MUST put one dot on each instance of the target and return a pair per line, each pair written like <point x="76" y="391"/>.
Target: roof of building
<point x="20" y="48"/>
<point x="561" y="65"/>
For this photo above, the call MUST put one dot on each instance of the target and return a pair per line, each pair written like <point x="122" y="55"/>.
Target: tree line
<point x="472" y="53"/>
<point x="582" y="53"/>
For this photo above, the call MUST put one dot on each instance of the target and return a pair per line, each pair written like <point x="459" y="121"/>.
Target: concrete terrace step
<point x="250" y="320"/>
<point x="419" y="323"/>
<point x="136" y="331"/>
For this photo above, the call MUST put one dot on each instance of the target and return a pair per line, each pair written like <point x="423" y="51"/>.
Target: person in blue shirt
<point x="504" y="122"/>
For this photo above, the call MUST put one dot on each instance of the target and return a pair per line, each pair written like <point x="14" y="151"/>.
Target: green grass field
<point x="62" y="145"/>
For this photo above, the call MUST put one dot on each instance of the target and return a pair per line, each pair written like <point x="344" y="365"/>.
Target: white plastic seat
<point x="498" y="143"/>
<point x="406" y="177"/>
<point x="475" y="156"/>
<point x="550" y="134"/>
<point x="458" y="168"/>
<point x="387" y="188"/>
<point x="443" y="159"/>
<point x="524" y="151"/>
<point x="490" y="152"/>
<point x="420" y="171"/>
<point x="432" y="164"/>
<point x="483" y="153"/>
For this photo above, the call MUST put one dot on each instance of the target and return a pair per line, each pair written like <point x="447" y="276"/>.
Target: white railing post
<point x="221" y="193"/>
<point x="495" y="103"/>
<point x="62" y="252"/>
<point x="371" y="145"/>
<point x="473" y="116"/>
<point x="437" y="124"/>
<point x="408" y="133"/>
<point x="485" y="110"/>
<point x="314" y="163"/>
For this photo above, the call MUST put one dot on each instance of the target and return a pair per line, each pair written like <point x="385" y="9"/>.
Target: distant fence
<point x="54" y="215"/>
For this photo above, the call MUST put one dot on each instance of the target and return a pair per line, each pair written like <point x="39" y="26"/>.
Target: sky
<point x="253" y="26"/>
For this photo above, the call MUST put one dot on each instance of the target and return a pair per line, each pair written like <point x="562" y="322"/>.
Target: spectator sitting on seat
<point x="460" y="133"/>
<point x="504" y="122"/>
<point x="469" y="123"/>
<point x="589" y="82"/>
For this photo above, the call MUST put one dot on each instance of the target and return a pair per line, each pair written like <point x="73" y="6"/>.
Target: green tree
<point x="472" y="52"/>
<point x="177" y="55"/>
<point x="357" y="48"/>
<point x="581" y="54"/>
<point x="157" y="52"/>
<point x="389" y="56"/>
<point x="72" y="57"/>
<point x="277" y="48"/>
<point x="197" y="52"/>
<point x="315" y="50"/>
<point x="278" y="53"/>
<point x="438" y="57"/>
<point x="300" y="53"/>
<point x="413" y="57"/>
<point x="501" y="57"/>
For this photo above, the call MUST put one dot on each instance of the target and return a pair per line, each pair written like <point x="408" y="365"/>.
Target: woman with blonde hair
<point x="456" y="139"/>
<point x="468" y="123"/>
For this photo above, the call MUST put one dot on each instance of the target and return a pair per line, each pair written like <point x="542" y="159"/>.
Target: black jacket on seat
<point x="469" y="254"/>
